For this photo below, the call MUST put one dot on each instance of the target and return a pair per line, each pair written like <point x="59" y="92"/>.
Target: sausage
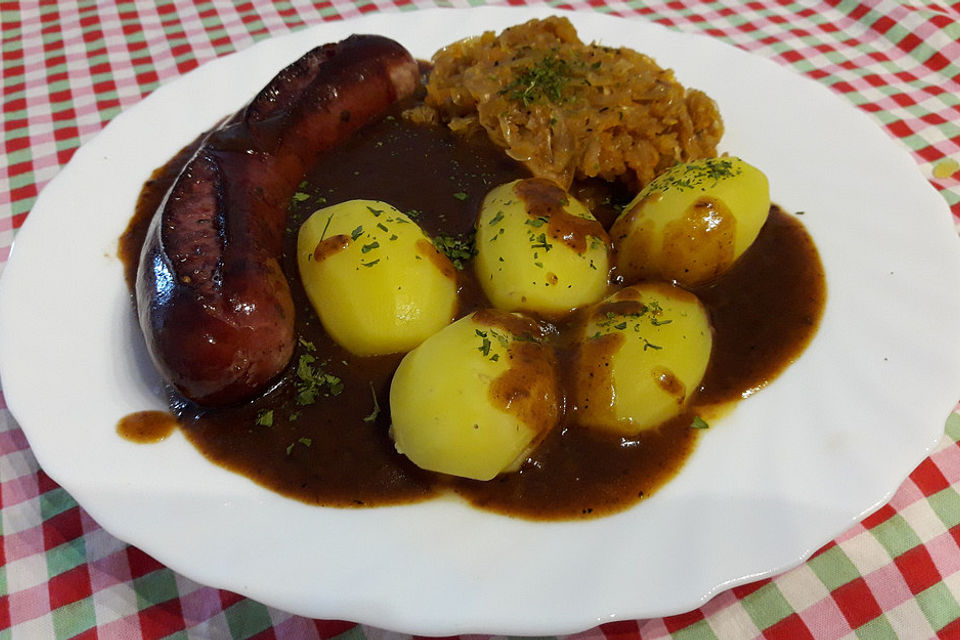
<point x="212" y="300"/>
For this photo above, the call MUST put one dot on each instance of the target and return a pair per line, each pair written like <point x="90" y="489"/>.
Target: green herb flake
<point x="700" y="175"/>
<point x="541" y="242"/>
<point x="485" y="344"/>
<point x="313" y="381"/>
<point x="458" y="249"/>
<point x="539" y="221"/>
<point x="699" y="423"/>
<point x="460" y="195"/>
<point x="370" y="247"/>
<point x="265" y="418"/>
<point x="356" y="233"/>
<point x="372" y="417"/>
<point x="323" y="234"/>
<point x="545" y="80"/>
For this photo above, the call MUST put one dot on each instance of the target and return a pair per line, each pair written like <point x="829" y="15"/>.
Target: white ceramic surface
<point x="790" y="468"/>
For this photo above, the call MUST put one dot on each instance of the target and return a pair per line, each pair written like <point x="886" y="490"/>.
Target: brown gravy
<point x="337" y="452"/>
<point x="147" y="427"/>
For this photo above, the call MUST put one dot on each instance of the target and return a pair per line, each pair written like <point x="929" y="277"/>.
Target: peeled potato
<point x="692" y="222"/>
<point x="641" y="358"/>
<point x="376" y="281"/>
<point x="475" y="398"/>
<point x="539" y="249"/>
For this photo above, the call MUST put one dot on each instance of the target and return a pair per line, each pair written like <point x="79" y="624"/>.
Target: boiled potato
<point x="539" y="249"/>
<point x="641" y="357"/>
<point x="476" y="397"/>
<point x="376" y="281"/>
<point x="692" y="222"/>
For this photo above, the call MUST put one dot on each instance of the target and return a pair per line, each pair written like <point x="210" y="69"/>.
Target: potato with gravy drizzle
<point x="375" y="279"/>
<point x="692" y="222"/>
<point x="474" y="399"/>
<point x="642" y="355"/>
<point x="539" y="249"/>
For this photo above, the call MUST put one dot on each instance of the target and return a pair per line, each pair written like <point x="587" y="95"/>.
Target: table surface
<point x="69" y="67"/>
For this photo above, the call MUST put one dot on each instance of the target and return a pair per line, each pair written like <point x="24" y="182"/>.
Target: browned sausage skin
<point x="213" y="302"/>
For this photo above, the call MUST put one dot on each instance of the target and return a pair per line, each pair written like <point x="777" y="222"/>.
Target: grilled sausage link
<point x="212" y="299"/>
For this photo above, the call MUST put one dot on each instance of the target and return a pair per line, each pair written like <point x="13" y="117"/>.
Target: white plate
<point x="789" y="469"/>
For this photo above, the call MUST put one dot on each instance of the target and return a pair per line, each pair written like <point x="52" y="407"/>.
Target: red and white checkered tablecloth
<point x="69" y="67"/>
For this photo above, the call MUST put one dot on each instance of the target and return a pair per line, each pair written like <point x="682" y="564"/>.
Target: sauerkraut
<point x="570" y="110"/>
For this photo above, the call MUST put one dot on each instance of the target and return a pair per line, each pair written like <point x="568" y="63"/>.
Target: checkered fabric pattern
<point x="69" y="67"/>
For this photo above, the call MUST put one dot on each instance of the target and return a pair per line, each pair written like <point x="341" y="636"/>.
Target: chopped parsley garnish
<point x="458" y="249"/>
<point x="304" y="441"/>
<point x="376" y="406"/>
<point x="323" y="234"/>
<point x="539" y="221"/>
<point x="540" y="242"/>
<point x="649" y="345"/>
<point x="547" y="80"/>
<point x="484" y="347"/>
<point x="356" y="233"/>
<point x="314" y="381"/>
<point x="486" y="344"/>
<point x="695" y="175"/>
<point x="265" y="418"/>
<point x="699" y="423"/>
<point x="649" y="311"/>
